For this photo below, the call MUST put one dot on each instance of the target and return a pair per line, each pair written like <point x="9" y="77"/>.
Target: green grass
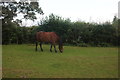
<point x="75" y="62"/>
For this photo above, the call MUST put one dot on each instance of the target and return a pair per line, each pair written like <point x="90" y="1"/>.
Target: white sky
<point x="84" y="10"/>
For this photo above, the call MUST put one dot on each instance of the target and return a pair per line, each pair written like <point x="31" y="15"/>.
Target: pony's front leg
<point x="51" y="48"/>
<point x="41" y="46"/>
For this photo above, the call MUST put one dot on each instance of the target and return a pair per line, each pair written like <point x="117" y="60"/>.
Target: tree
<point x="10" y="11"/>
<point x="115" y="22"/>
<point x="116" y="25"/>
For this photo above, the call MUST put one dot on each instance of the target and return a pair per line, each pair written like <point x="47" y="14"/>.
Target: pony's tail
<point x="36" y="43"/>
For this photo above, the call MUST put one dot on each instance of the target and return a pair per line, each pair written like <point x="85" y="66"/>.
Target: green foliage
<point x="82" y="45"/>
<point x="72" y="33"/>
<point x="118" y="32"/>
<point x="11" y="9"/>
<point x="80" y="33"/>
<point x="11" y="30"/>
<point x="8" y="32"/>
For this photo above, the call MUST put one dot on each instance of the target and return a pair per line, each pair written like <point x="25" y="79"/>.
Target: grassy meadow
<point x="22" y="61"/>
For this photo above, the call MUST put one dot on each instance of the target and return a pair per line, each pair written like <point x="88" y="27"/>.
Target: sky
<point x="79" y="10"/>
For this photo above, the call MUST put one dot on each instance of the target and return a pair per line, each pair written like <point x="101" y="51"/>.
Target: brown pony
<point x="50" y="37"/>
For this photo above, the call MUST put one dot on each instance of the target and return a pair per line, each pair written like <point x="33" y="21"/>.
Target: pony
<point x="49" y="37"/>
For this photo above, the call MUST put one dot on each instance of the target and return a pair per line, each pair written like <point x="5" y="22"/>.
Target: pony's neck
<point x="60" y="42"/>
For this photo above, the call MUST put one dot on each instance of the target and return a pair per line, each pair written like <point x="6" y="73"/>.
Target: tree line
<point x="78" y="33"/>
<point x="81" y="33"/>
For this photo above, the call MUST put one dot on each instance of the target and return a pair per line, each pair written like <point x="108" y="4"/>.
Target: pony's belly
<point x="46" y="40"/>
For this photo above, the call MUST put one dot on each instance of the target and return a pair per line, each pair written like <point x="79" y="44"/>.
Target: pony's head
<point x="60" y="46"/>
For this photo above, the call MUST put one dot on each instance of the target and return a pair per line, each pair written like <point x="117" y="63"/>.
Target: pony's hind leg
<point x="51" y="48"/>
<point x="41" y="46"/>
<point x="36" y="46"/>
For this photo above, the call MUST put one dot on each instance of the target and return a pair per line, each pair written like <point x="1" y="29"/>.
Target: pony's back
<point x="47" y="37"/>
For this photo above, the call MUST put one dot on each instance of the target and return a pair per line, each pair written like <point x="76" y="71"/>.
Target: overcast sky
<point x="84" y="10"/>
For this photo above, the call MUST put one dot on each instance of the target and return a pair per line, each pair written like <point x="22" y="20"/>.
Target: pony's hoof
<point x="50" y="50"/>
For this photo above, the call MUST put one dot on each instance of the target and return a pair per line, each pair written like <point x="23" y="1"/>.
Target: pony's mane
<point x="60" y="42"/>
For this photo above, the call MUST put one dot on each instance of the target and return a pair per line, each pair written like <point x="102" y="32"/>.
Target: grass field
<point x="21" y="61"/>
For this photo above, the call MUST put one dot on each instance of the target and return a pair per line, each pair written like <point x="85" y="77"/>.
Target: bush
<point x="83" y="45"/>
<point x="104" y="45"/>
